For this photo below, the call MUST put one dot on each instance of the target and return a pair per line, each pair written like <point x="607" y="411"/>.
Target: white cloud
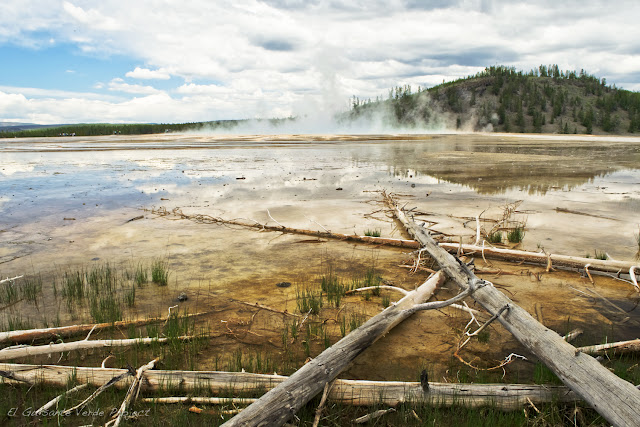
<point x="118" y="85"/>
<point x="248" y="58"/>
<point x="147" y="74"/>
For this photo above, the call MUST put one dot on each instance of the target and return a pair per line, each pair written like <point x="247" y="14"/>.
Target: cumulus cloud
<point x="147" y="74"/>
<point x="119" y="85"/>
<point x="248" y="58"/>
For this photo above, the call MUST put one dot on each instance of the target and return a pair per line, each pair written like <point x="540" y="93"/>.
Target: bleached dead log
<point x="617" y="347"/>
<point x="98" y="391"/>
<point x="24" y="351"/>
<point x="55" y="400"/>
<point x="10" y="279"/>
<point x="265" y="307"/>
<point x="572" y="335"/>
<point x="582" y="373"/>
<point x="197" y="399"/>
<point x="29" y="335"/>
<point x="372" y="416"/>
<point x="282" y="402"/>
<point x="371" y="288"/>
<point x="541" y="258"/>
<point x="323" y="401"/>
<point x="351" y="392"/>
<point x="208" y="219"/>
<point x="490" y="252"/>
<point x="132" y="394"/>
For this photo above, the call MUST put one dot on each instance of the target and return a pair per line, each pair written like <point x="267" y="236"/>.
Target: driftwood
<point x="196" y="399"/>
<point x="351" y="392"/>
<point x="573" y="334"/>
<point x="617" y="347"/>
<point x="540" y="258"/>
<point x="372" y="416"/>
<point x="29" y="335"/>
<point x="582" y="373"/>
<point x="96" y="393"/>
<point x="323" y="401"/>
<point x="24" y="351"/>
<point x="132" y="394"/>
<point x="282" y="402"/>
<point x="489" y="252"/>
<point x="208" y="219"/>
<point x="55" y="400"/>
<point x="265" y="307"/>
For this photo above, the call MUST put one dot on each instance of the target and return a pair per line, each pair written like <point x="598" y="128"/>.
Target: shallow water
<point x="67" y="201"/>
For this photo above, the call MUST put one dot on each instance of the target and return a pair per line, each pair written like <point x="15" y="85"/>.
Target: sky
<point x="170" y="61"/>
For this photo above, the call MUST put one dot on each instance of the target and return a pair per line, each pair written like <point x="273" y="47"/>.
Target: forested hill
<point x="501" y="99"/>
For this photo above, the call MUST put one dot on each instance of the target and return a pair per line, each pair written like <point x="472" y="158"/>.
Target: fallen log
<point x="567" y="261"/>
<point x="579" y="371"/>
<point x="208" y="219"/>
<point x="372" y="416"/>
<point x="282" y="402"/>
<point x="196" y="399"/>
<point x="617" y="347"/>
<point x="489" y="252"/>
<point x="350" y="392"/>
<point x="132" y="394"/>
<point x="24" y="351"/>
<point x="57" y="399"/>
<point x="29" y="335"/>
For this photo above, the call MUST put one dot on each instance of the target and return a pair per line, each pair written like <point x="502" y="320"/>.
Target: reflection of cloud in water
<point x="12" y="168"/>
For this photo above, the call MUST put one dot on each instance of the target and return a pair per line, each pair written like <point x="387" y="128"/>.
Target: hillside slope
<point x="544" y="100"/>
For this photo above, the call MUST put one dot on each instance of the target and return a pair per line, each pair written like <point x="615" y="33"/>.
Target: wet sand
<point x="67" y="201"/>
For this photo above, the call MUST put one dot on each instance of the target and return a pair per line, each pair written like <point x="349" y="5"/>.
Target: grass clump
<point x="333" y="287"/>
<point x="140" y="276"/>
<point x="386" y="301"/>
<point x="105" y="309"/>
<point x="8" y="293"/>
<point x="31" y="287"/>
<point x="516" y="235"/>
<point x="308" y="300"/>
<point x="602" y="255"/>
<point x="495" y="237"/>
<point x="372" y="233"/>
<point x="160" y="272"/>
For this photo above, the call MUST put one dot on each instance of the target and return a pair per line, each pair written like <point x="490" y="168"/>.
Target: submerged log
<point x="350" y="392"/>
<point x="581" y="372"/>
<point x="282" y="402"/>
<point x="29" y="335"/>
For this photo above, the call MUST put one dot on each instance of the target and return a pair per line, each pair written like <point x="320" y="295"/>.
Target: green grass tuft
<point x="516" y="235"/>
<point x="160" y="272"/>
<point x="602" y="255"/>
<point x="372" y="233"/>
<point x="495" y="237"/>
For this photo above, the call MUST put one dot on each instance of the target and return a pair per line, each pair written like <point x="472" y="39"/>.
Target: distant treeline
<point x="500" y="98"/>
<point x="95" y="129"/>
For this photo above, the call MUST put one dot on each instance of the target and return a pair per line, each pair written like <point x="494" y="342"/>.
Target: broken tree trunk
<point x="581" y="372"/>
<point x="29" y="335"/>
<point x="348" y="392"/>
<point x="281" y="403"/>
<point x="24" y="351"/>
